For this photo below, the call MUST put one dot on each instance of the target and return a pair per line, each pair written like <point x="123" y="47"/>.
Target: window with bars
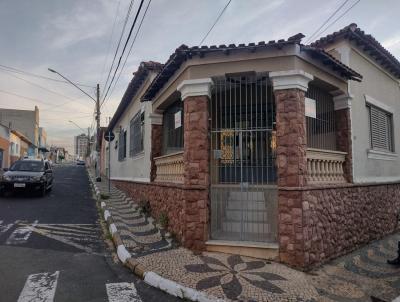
<point x="172" y="133"/>
<point x="136" y="134"/>
<point x="122" y="145"/>
<point x="381" y="129"/>
<point x="321" y="131"/>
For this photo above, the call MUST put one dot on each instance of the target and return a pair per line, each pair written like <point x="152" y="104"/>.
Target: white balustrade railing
<point x="325" y="166"/>
<point x="169" y="168"/>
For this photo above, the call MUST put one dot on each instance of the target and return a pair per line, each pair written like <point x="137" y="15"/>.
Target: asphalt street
<point x="52" y="248"/>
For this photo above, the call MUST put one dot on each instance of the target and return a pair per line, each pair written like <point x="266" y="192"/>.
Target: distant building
<point x="42" y="142"/>
<point x="57" y="154"/>
<point x="25" y="122"/>
<point x="81" y="145"/>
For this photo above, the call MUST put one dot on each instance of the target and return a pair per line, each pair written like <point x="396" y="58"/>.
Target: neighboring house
<point x="19" y="146"/>
<point x="375" y="104"/>
<point x="131" y="124"/>
<point x="254" y="149"/>
<point x="24" y="121"/>
<point x="4" y="147"/>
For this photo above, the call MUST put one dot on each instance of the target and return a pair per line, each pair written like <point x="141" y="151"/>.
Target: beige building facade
<point x="275" y="150"/>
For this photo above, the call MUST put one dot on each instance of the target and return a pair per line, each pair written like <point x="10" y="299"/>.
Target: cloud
<point x="392" y="43"/>
<point x="73" y="38"/>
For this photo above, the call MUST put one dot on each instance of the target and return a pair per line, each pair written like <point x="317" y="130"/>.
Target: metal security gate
<point x="242" y="166"/>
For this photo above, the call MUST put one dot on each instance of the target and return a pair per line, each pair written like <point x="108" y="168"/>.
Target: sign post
<point x="109" y="137"/>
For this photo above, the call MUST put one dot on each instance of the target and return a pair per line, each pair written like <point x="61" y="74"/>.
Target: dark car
<point x="33" y="175"/>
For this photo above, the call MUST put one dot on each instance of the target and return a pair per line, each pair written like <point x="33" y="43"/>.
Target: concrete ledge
<point x="268" y="251"/>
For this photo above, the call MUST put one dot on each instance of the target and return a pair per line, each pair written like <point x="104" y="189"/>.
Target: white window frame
<point x="375" y="153"/>
<point x="136" y="138"/>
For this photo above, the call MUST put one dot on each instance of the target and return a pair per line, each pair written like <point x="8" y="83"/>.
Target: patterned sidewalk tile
<point x="352" y="278"/>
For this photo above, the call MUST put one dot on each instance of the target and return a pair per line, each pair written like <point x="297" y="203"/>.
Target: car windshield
<point x="26" y="165"/>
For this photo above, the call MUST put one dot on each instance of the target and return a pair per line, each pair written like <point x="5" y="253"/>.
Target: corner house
<point x="276" y="150"/>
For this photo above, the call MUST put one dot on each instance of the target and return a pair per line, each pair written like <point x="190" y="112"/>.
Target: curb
<point x="151" y="278"/>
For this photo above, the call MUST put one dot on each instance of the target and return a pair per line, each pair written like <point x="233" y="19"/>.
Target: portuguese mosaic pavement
<point x="358" y="277"/>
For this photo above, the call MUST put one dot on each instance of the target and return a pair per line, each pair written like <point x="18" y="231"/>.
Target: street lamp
<point x="97" y="101"/>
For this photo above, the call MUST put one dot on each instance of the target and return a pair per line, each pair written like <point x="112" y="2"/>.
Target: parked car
<point x="27" y="174"/>
<point x="80" y="162"/>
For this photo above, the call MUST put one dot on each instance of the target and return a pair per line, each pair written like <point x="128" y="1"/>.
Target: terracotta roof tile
<point x="184" y="53"/>
<point x="139" y="77"/>
<point x="369" y="44"/>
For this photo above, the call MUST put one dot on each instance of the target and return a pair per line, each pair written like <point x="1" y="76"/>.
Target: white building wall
<point x="136" y="168"/>
<point x="15" y="145"/>
<point x="382" y="87"/>
<point x="385" y="89"/>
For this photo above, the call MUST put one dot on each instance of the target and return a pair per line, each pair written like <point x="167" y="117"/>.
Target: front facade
<point x="20" y="146"/>
<point x="4" y="147"/>
<point x="253" y="149"/>
<point x="24" y="121"/>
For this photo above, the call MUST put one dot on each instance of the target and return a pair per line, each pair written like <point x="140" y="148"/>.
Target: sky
<point x="78" y="38"/>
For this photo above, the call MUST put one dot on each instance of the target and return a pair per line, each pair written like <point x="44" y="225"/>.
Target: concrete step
<point x="245" y="205"/>
<point x="252" y="195"/>
<point x="248" y="215"/>
<point x="261" y="250"/>
<point x="247" y="227"/>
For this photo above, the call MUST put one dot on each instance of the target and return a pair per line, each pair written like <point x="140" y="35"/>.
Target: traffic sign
<point x="109" y="136"/>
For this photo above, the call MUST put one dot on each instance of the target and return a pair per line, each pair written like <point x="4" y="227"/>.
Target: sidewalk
<point x="354" y="277"/>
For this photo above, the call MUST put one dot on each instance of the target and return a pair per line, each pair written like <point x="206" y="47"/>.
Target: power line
<point x="119" y="41"/>
<point x="35" y="100"/>
<point x="123" y="50"/>
<point x="69" y="117"/>
<point x="25" y="97"/>
<point x="44" y="88"/>
<point x="216" y="21"/>
<point x="110" y="40"/>
<point x="130" y="49"/>
<point x="16" y="70"/>
<point x="327" y="20"/>
<point x="339" y="17"/>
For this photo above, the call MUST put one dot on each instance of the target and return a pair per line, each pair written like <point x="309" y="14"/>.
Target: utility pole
<point x="98" y="117"/>
<point x="98" y="138"/>
<point x="88" y="142"/>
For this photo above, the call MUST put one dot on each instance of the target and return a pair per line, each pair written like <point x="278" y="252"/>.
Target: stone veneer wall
<point x="179" y="203"/>
<point x="291" y="138"/>
<point x="321" y="223"/>
<point x="187" y="204"/>
<point x="156" y="146"/>
<point x="343" y="139"/>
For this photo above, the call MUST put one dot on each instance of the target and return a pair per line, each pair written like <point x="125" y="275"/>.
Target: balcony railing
<point x="325" y="166"/>
<point x="169" y="168"/>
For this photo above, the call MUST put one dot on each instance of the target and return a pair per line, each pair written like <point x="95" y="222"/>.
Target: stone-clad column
<point x="195" y="95"/>
<point x="289" y="90"/>
<point x="156" y="142"/>
<point x="342" y="103"/>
